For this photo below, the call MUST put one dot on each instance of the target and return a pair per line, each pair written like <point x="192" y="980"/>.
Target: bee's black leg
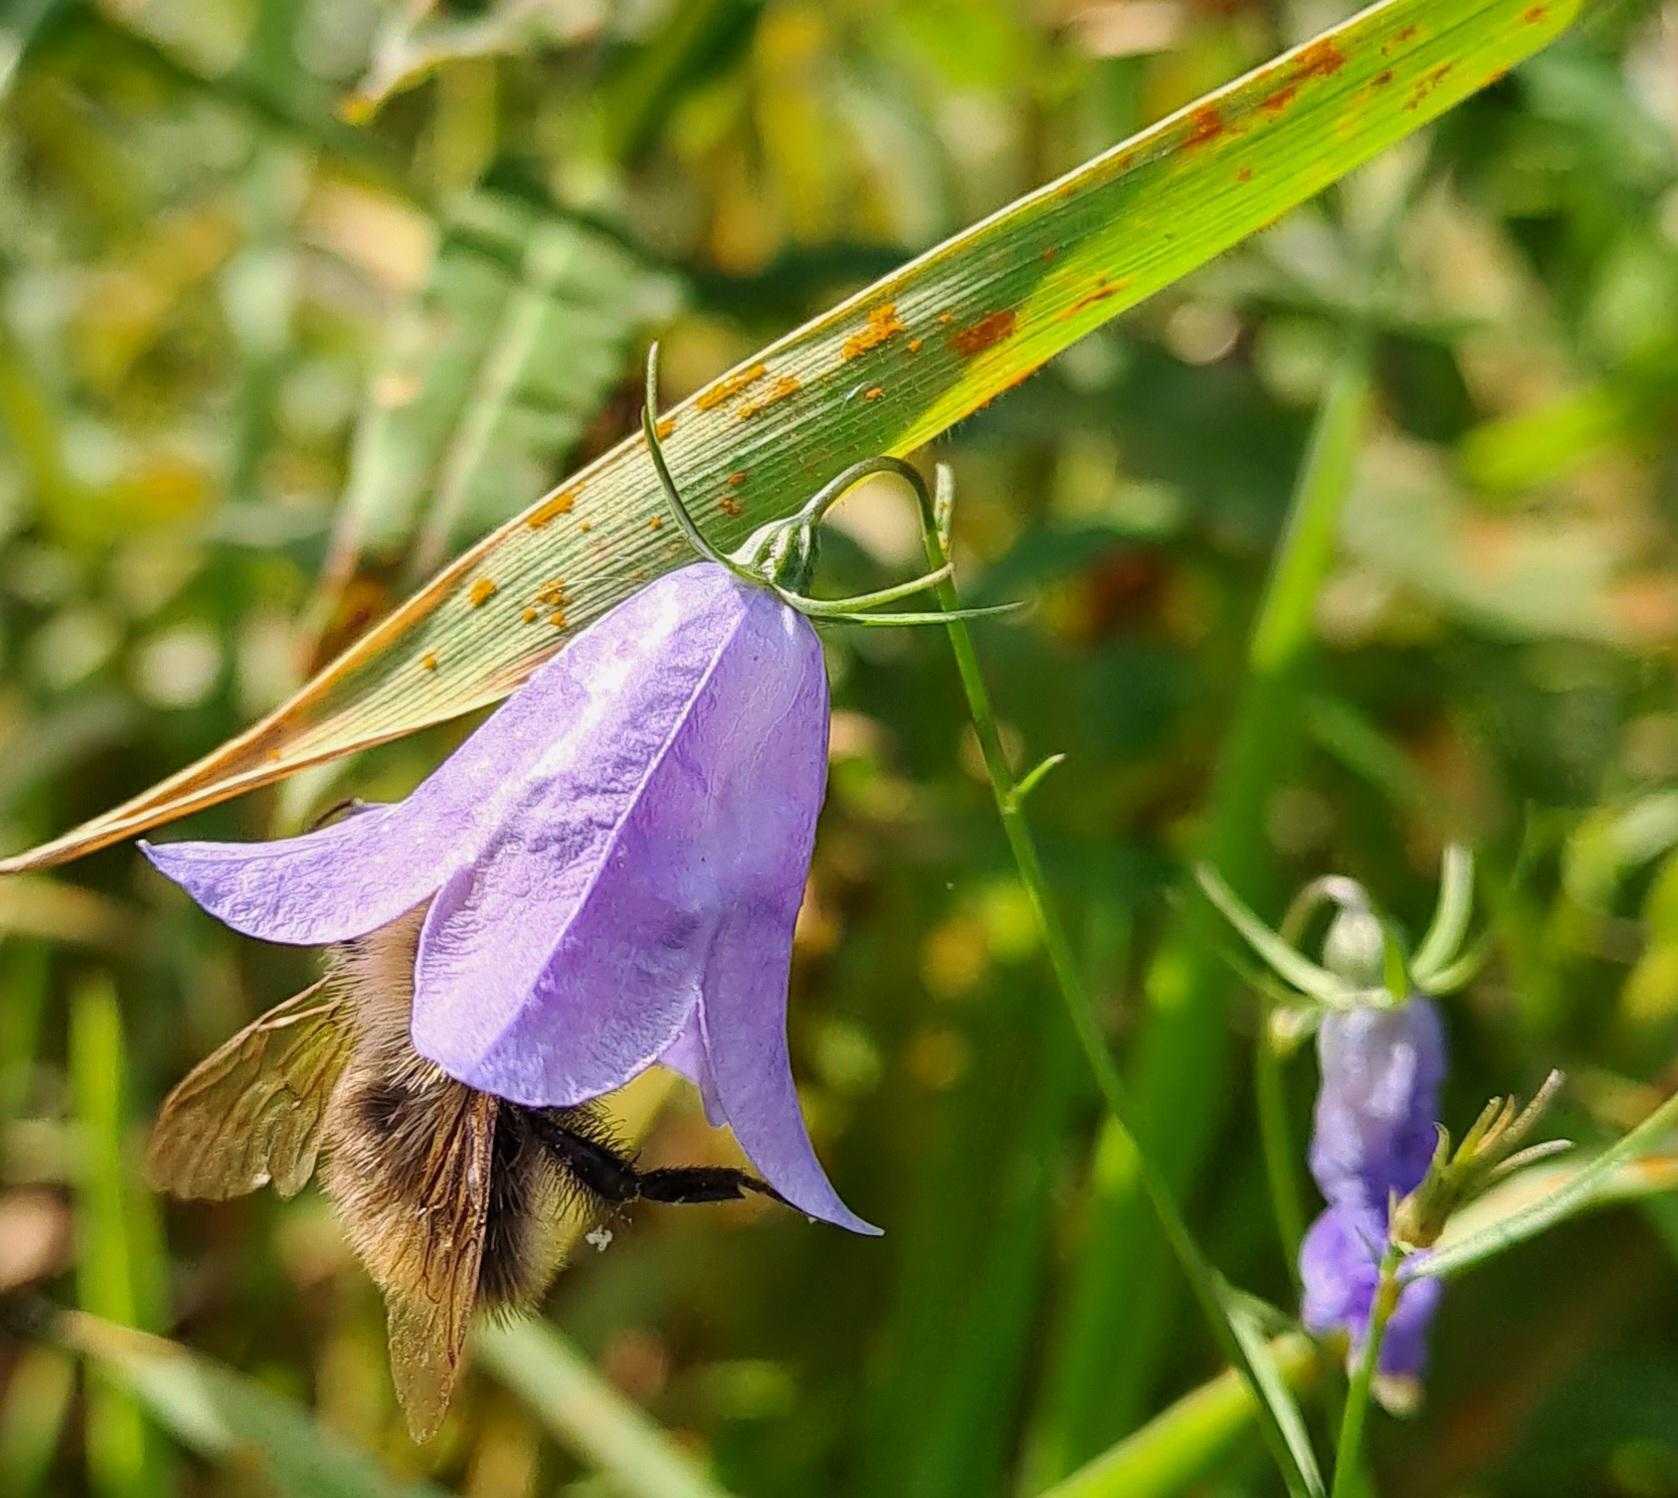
<point x="607" y="1172"/>
<point x="703" y="1183"/>
<point x="597" y="1166"/>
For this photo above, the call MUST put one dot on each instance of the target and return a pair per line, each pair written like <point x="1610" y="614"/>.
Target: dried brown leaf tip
<point x="883" y="324"/>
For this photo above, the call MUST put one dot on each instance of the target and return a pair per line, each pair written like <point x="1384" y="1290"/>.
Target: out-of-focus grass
<point x="203" y="262"/>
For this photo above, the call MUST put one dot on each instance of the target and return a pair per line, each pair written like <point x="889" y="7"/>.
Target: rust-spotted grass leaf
<point x="882" y="372"/>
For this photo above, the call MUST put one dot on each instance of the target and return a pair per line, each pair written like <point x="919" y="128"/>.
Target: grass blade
<point x="119" y="1267"/>
<point x="587" y="1414"/>
<point x="882" y="372"/>
<point x="1184" y="1443"/>
<point x="220" y="1415"/>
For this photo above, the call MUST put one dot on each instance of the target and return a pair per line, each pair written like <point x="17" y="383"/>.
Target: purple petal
<point x="347" y="879"/>
<point x="744" y="1023"/>
<point x="1404" y="1346"/>
<point x="686" y="1056"/>
<point x="1339" y="1266"/>
<point x="571" y="954"/>
<point x="1374" y="1125"/>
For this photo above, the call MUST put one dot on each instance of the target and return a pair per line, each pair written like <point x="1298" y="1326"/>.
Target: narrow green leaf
<point x="1185" y="1442"/>
<point x="883" y="372"/>
<point x="1450" y="917"/>
<point x="1271" y="1384"/>
<point x="1307" y="976"/>
<point x="118" y="1262"/>
<point x="222" y="1416"/>
<point x="587" y="1414"/>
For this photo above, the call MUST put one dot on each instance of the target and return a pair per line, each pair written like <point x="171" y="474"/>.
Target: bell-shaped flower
<point x="1373" y="1137"/>
<point x="1374" y="1127"/>
<point x="1339" y="1264"/>
<point x="612" y="866"/>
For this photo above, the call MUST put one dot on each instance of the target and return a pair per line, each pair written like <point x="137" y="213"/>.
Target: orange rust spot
<point x="735" y="480"/>
<point x="585" y="525"/>
<point x="778" y="391"/>
<point x="990" y="329"/>
<point x="560" y="504"/>
<point x="730" y="506"/>
<point x="730" y="386"/>
<point x="656" y="523"/>
<point x="883" y="323"/>
<point x="1321" y="59"/>
<point x="873" y="392"/>
<point x="1104" y="288"/>
<point x="1382" y="79"/>
<point x="1205" y="124"/>
<point x="1278" y="101"/>
<point x="914" y="345"/>
<point x="1049" y="252"/>
<point x="1406" y="34"/>
<point x="557" y="618"/>
<point x="428" y="661"/>
<point x="1244" y="175"/>
<point x="664" y="426"/>
<point x="1535" y="13"/>
<point x="529" y="616"/>
<point x="946" y="318"/>
<point x="552" y="591"/>
<point x="481" y="592"/>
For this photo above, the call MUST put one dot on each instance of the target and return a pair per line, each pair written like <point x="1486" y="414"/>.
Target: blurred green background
<point x="296" y="299"/>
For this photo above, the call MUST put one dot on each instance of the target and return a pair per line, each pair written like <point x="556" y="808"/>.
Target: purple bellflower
<point x="612" y="865"/>
<point x="1375" y="1140"/>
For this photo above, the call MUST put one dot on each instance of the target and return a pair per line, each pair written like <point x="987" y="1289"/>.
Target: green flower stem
<point x="1010" y="805"/>
<point x="1348" y="1450"/>
<point x="1183" y="1058"/>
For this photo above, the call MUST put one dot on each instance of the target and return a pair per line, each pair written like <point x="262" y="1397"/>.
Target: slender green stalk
<point x="1349" y="1448"/>
<point x="1181" y="1063"/>
<point x="1010" y="805"/>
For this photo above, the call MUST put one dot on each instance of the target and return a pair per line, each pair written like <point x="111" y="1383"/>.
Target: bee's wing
<point x="431" y="1289"/>
<point x="250" y="1113"/>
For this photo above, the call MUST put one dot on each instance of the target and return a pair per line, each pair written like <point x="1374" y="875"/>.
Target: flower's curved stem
<point x="1208" y="1285"/>
<point x="853" y="610"/>
<point x="821" y="608"/>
